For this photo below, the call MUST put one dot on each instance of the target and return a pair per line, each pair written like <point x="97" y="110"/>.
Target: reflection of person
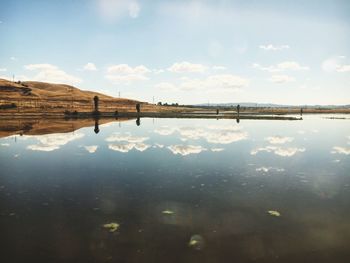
<point x="96" y="130"/>
<point x="237" y="120"/>
<point x="138" y="122"/>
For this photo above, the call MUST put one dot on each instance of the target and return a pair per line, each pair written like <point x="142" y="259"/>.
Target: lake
<point x="178" y="190"/>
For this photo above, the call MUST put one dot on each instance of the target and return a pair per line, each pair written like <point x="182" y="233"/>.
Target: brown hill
<point x="33" y="97"/>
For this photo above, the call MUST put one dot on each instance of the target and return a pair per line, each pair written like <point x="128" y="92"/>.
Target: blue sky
<point x="291" y="52"/>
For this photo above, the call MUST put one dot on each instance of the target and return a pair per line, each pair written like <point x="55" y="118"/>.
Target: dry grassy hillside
<point x="32" y="97"/>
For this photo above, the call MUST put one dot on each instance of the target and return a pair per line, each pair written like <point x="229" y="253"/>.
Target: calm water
<point x="180" y="190"/>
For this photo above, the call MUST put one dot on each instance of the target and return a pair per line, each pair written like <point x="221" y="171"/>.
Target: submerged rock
<point x="196" y="242"/>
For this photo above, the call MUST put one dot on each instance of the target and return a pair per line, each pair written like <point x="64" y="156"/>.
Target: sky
<point x="186" y="52"/>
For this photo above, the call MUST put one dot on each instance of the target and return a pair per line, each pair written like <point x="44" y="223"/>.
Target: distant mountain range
<point x="268" y="105"/>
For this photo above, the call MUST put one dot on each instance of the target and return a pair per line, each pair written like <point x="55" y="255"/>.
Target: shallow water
<point x="181" y="191"/>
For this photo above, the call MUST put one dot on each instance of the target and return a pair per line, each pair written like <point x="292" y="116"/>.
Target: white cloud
<point x="335" y="64"/>
<point x="134" y="9"/>
<point x="283" y="66"/>
<point x="3" y="69"/>
<point x="285" y="152"/>
<point x="278" y="139"/>
<point x="13" y="58"/>
<point x="123" y="73"/>
<point x="187" y="67"/>
<point x="215" y="83"/>
<point x="113" y="10"/>
<point x="51" y="142"/>
<point x="343" y="68"/>
<point x="91" y="148"/>
<point x="186" y="149"/>
<point x="281" y="79"/>
<point x="271" y="47"/>
<point x="166" y="86"/>
<point x="51" y="73"/>
<point x="218" y="68"/>
<point x="291" y="65"/>
<point x="341" y="150"/>
<point x="90" y="67"/>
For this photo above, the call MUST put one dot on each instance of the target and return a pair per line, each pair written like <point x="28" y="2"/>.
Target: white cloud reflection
<point x="341" y="150"/>
<point x="91" y="148"/>
<point x="278" y="139"/>
<point x="268" y="169"/>
<point x="186" y="149"/>
<point x="212" y="134"/>
<point x="281" y="151"/>
<point x="126" y="147"/>
<point x="127" y="142"/>
<point x="51" y="142"/>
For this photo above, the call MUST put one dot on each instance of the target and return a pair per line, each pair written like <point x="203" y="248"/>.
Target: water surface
<point x="167" y="182"/>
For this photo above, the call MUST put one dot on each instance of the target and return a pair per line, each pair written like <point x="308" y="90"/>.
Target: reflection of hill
<point x="47" y="126"/>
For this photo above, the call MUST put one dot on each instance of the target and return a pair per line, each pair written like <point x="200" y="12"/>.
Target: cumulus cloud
<point x="213" y="83"/>
<point x="283" y="66"/>
<point x="281" y="151"/>
<point x="113" y="10"/>
<point x="341" y="150"/>
<point x="90" y="67"/>
<point x="124" y="73"/>
<point x="218" y="68"/>
<point x="271" y="47"/>
<point x="279" y="79"/>
<point x="91" y="148"/>
<point x="51" y="142"/>
<point x="278" y="139"/>
<point x="51" y="73"/>
<point x="335" y="64"/>
<point x="186" y="149"/>
<point x="227" y="82"/>
<point x="187" y="67"/>
<point x="166" y="86"/>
